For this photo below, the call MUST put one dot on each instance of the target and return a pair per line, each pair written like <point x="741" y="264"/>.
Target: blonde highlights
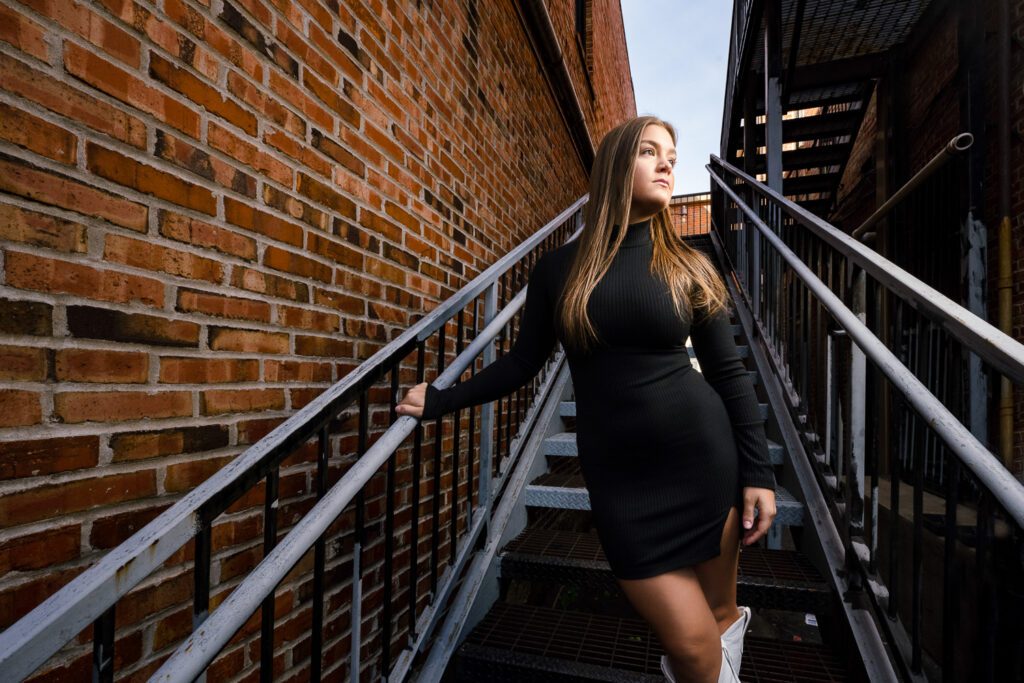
<point x="693" y="282"/>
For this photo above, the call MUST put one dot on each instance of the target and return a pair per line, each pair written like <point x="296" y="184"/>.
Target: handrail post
<point x="858" y="404"/>
<point x="487" y="423"/>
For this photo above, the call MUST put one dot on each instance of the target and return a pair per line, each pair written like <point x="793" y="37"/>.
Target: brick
<point x="24" y="363"/>
<point x="338" y="153"/>
<point x="25" y="317"/>
<point x="185" y="476"/>
<point x="269" y="284"/>
<point x="294" y="96"/>
<point x="293" y="206"/>
<point x="100" y="365"/>
<point x="49" y="502"/>
<point x="195" y="301"/>
<point x="243" y="152"/>
<point x="206" y="96"/>
<point x="41" y="230"/>
<point x="248" y="341"/>
<point x="43" y="549"/>
<point x="211" y="34"/>
<point x="19" y="408"/>
<point x="301" y="397"/>
<point x="244" y="216"/>
<point x="331" y="96"/>
<point x="202" y="234"/>
<point x="262" y="101"/>
<point x="140" y="445"/>
<point x="323" y="346"/>
<point x="119" y="84"/>
<point x="290" y="262"/>
<point x="33" y="133"/>
<point x="24" y="81"/>
<point x="150" y="256"/>
<point x="308" y="319"/>
<point x="112" y="530"/>
<point x="280" y="140"/>
<point x="195" y="160"/>
<point x="138" y="328"/>
<point x="28" y="271"/>
<point x="116" y="406"/>
<point x="128" y="172"/>
<point x="24" y="180"/>
<point x="322" y="194"/>
<point x="296" y="371"/>
<point x="208" y="370"/>
<point x="346" y="303"/>
<point x="16" y="602"/>
<point x="23" y="33"/>
<point x="221" y="401"/>
<point x="152" y="598"/>
<point x="40" y="457"/>
<point x="82" y="20"/>
<point x="251" y="431"/>
<point x="252" y="35"/>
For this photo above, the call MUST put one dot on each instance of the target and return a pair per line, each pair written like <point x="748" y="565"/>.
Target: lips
<point x="662" y="182"/>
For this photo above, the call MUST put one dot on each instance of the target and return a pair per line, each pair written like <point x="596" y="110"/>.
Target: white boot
<point x="732" y="639"/>
<point x="727" y="674"/>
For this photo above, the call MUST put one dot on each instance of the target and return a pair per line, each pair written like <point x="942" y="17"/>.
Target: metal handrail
<point x="33" y="639"/>
<point x="996" y="347"/>
<point x="985" y="464"/>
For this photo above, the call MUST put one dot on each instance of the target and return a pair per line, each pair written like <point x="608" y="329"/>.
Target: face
<point x="653" y="173"/>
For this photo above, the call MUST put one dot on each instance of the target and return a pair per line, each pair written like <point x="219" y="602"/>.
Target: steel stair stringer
<point x="867" y="633"/>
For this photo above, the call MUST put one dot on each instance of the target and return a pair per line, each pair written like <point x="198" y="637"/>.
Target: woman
<point x="672" y="458"/>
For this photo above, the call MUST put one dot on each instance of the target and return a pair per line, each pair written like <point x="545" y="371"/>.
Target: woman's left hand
<point x="764" y="501"/>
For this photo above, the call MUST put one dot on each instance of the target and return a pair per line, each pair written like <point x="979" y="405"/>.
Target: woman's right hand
<point x="413" y="402"/>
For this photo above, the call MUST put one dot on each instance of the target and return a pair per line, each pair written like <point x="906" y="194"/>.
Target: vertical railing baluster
<point x="917" y="449"/>
<point x="270" y="507"/>
<point x="456" y="445"/>
<point x="950" y="575"/>
<point x="356" y="627"/>
<point x="389" y="532"/>
<point x="985" y="644"/>
<point x="488" y="426"/>
<point x="435" y="534"/>
<point x="319" y="559"/>
<point x="414" y="529"/>
<point x="201" y="573"/>
<point x="103" y="647"/>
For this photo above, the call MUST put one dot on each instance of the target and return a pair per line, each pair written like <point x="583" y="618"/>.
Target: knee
<point x="725" y="615"/>
<point x="694" y="659"/>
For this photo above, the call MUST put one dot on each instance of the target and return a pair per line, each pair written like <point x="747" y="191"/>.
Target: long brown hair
<point x="692" y="279"/>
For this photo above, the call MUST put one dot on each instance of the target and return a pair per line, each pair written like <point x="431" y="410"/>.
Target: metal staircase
<point x="561" y="615"/>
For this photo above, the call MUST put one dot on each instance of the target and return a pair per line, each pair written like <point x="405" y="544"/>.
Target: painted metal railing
<point x="865" y="351"/>
<point x="348" y="518"/>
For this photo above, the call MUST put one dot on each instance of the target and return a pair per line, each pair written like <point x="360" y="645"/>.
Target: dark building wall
<point x="209" y="212"/>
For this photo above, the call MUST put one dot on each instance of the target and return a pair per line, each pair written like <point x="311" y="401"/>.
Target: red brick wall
<point x="209" y="212"/>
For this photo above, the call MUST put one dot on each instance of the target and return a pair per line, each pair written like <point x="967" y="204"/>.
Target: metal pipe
<point x="957" y="145"/>
<point x="1004" y="278"/>
<point x="1003" y="485"/>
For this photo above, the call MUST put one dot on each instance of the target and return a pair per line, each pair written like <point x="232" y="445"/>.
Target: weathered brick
<point x="16" y="602"/>
<point x="19" y="408"/>
<point x="138" y="328"/>
<point x="195" y="160"/>
<point x="245" y="216"/>
<point x="20" y="178"/>
<point x="48" y="502"/>
<point x="101" y="365"/>
<point x="33" y="133"/>
<point x="206" y="96"/>
<point x="297" y="264"/>
<point x="293" y="206"/>
<point x="85" y="22"/>
<point x="296" y="371"/>
<point x="280" y="140"/>
<point x="268" y="283"/>
<point x="23" y="33"/>
<point x="39" y="457"/>
<point x="117" y="406"/>
<point x="322" y="346"/>
<point x="243" y="152"/>
<point x="195" y="301"/>
<point x="208" y="370"/>
<point x="41" y="230"/>
<point x="251" y="431"/>
<point x="28" y="271"/>
<point x="126" y="171"/>
<point x="118" y="83"/>
<point x="25" y="317"/>
<point x="149" y="256"/>
<point x="111" y="530"/>
<point x="202" y="234"/>
<point x="346" y="303"/>
<point x="308" y="319"/>
<point x="24" y="363"/>
<point x="221" y="401"/>
<point x="43" y="549"/>
<point x="185" y="476"/>
<point x="250" y="341"/>
<point x="139" y="445"/>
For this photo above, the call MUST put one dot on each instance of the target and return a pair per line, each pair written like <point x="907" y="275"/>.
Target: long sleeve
<point x="532" y="347"/>
<point x="723" y="369"/>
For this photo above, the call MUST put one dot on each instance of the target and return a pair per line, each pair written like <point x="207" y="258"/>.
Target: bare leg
<point x="717" y="576"/>
<point x="674" y="605"/>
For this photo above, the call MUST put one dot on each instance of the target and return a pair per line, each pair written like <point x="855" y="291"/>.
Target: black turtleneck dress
<point x="665" y="450"/>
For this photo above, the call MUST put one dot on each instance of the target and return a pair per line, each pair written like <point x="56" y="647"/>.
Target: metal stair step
<point x="563" y="487"/>
<point x="772" y="579"/>
<point x="523" y="642"/>
<point x="564" y="443"/>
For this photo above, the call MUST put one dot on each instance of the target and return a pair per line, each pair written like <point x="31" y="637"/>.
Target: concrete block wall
<point x="210" y="211"/>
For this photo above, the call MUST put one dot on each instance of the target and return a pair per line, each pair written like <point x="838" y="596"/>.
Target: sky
<point x="677" y="53"/>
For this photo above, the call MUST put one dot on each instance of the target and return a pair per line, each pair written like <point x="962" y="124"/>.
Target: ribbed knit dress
<point x="665" y="450"/>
